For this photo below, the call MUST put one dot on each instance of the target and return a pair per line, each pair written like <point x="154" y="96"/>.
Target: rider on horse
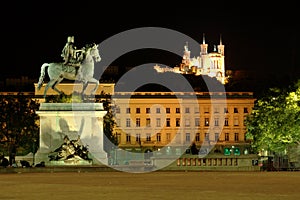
<point x="70" y="54"/>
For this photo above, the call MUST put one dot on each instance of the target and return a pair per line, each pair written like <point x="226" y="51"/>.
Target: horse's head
<point x="94" y="52"/>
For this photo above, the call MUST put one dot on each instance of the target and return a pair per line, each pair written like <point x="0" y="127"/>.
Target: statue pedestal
<point x="72" y="119"/>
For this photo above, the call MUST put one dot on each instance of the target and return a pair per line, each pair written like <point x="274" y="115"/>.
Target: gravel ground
<point x="153" y="185"/>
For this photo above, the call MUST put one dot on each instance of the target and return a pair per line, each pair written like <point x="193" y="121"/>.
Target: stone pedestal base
<point x="84" y="120"/>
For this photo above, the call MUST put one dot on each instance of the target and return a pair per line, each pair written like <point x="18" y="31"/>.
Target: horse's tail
<point x="41" y="79"/>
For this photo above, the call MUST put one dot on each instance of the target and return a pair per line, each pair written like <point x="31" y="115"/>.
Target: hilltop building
<point x="211" y="64"/>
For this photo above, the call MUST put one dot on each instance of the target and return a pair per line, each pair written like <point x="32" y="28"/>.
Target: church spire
<point x="221" y="47"/>
<point x="203" y="46"/>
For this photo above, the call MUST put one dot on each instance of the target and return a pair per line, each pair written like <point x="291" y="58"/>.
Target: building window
<point x="148" y="137"/>
<point x="216" y="137"/>
<point x="148" y="122"/>
<point x="167" y="110"/>
<point x="236" y="121"/>
<point x="128" y="137"/>
<point x="177" y="122"/>
<point x="137" y="122"/>
<point x="138" y="110"/>
<point x="197" y="121"/>
<point x="236" y="137"/>
<point x="245" y="110"/>
<point x="168" y="122"/>
<point x="196" y="109"/>
<point x="158" y="123"/>
<point x="206" y="136"/>
<point x="197" y="138"/>
<point x="157" y="110"/>
<point x="216" y="121"/>
<point x="206" y="109"/>
<point x="206" y="122"/>
<point x="138" y="137"/>
<point x="187" y="110"/>
<point x="127" y="122"/>
<point x="225" y="110"/>
<point x="127" y="110"/>
<point x="147" y="110"/>
<point x="226" y="122"/>
<point x="244" y="121"/>
<point x="158" y="137"/>
<point x="177" y="110"/>
<point x="187" y="122"/>
<point x="168" y="137"/>
<point x="226" y="136"/>
<point x="235" y="110"/>
<point x="118" y="110"/>
<point x="187" y="137"/>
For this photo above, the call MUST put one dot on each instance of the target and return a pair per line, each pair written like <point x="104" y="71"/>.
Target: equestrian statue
<point x="78" y="65"/>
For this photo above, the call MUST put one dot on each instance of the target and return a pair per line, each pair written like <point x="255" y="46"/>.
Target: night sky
<point x="256" y="37"/>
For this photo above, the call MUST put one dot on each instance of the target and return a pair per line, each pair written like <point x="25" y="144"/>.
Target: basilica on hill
<point x="209" y="64"/>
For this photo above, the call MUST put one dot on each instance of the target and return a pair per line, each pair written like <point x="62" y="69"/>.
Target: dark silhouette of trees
<point x="19" y="129"/>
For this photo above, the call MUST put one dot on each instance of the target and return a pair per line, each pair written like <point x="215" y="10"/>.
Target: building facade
<point x="151" y="121"/>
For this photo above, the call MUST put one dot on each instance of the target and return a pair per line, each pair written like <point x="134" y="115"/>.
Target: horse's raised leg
<point x="55" y="83"/>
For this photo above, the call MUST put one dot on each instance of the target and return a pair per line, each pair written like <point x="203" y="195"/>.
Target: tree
<point x="110" y="139"/>
<point x="19" y="124"/>
<point x="274" y="123"/>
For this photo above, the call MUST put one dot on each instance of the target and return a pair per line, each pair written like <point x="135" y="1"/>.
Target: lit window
<point x="138" y="137"/>
<point x="177" y="122"/>
<point x="226" y="122"/>
<point x="197" y="121"/>
<point x="236" y="121"/>
<point x="236" y="137"/>
<point x="187" y="137"/>
<point x="128" y="137"/>
<point x="158" y="137"/>
<point x="216" y="121"/>
<point x="127" y="122"/>
<point x="158" y="122"/>
<point x="226" y="136"/>
<point x="216" y="137"/>
<point x="197" y="138"/>
<point x="148" y="122"/>
<point x="148" y="137"/>
<point x="206" y="122"/>
<point x="137" y="122"/>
